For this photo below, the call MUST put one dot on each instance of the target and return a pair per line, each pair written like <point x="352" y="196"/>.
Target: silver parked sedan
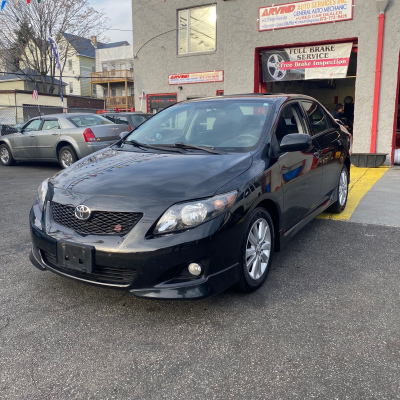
<point x="59" y="137"/>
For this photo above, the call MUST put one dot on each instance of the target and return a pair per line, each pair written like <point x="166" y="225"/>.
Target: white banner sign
<point x="329" y="61"/>
<point x="196" y="77"/>
<point x="304" y="13"/>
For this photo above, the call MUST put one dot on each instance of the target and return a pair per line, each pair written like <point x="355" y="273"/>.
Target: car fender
<point x="6" y="140"/>
<point x="67" y="141"/>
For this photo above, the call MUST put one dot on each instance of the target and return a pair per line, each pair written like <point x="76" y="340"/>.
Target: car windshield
<point x="88" y="120"/>
<point x="226" y="124"/>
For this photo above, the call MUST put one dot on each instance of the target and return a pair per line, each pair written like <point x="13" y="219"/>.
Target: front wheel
<point x="343" y="191"/>
<point x="257" y="251"/>
<point x="6" y="157"/>
<point x="67" y="156"/>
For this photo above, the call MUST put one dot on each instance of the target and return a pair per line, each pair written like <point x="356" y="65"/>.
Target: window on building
<point x="104" y="67"/>
<point x="69" y="65"/>
<point x="113" y="92"/>
<point x="197" y="29"/>
<point x="105" y="92"/>
<point x="94" y="90"/>
<point x="131" y="65"/>
<point x="71" y="88"/>
<point x="131" y="91"/>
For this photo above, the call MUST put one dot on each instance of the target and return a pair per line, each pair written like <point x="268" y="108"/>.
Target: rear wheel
<point x="257" y="251"/>
<point x="343" y="191"/>
<point x="6" y="157"/>
<point x="67" y="156"/>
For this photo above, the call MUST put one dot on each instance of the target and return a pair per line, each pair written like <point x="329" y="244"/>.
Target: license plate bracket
<point x="74" y="256"/>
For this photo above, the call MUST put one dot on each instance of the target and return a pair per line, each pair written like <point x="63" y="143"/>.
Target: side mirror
<point x="295" y="142"/>
<point x="123" y="135"/>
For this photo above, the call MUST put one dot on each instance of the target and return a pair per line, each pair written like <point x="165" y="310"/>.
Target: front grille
<point x="100" y="223"/>
<point x="100" y="274"/>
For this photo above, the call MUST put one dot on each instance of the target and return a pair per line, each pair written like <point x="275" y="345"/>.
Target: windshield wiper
<point x="191" y="146"/>
<point x="146" y="146"/>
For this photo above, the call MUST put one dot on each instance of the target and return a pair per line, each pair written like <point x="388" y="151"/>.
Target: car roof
<point x="64" y="115"/>
<point x="251" y="96"/>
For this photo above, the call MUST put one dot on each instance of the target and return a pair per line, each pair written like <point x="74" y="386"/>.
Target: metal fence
<point x="18" y="115"/>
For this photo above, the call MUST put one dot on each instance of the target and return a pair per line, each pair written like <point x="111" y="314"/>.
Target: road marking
<point x="361" y="181"/>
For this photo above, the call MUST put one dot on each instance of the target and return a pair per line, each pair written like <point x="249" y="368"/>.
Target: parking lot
<point x="325" y="325"/>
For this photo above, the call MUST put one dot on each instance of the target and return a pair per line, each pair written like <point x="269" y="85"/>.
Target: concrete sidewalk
<point x="381" y="204"/>
<point x="374" y="197"/>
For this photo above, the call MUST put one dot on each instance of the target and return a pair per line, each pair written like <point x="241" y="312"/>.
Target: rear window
<point x="88" y="120"/>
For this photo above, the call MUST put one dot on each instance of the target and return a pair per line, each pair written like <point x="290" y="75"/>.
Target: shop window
<point x="319" y="120"/>
<point x="197" y="29"/>
<point x="157" y="102"/>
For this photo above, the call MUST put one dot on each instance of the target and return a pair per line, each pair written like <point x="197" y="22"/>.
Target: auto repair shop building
<point x="338" y="51"/>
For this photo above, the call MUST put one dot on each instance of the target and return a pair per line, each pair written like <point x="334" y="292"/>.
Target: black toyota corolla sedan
<point x="195" y="200"/>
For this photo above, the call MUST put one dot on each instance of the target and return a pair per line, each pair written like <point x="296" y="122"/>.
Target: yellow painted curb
<point x="361" y="181"/>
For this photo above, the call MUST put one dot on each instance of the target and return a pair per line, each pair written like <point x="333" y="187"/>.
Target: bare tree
<point x="26" y="28"/>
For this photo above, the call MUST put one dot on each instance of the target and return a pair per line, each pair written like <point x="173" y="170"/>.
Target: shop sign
<point x="196" y="77"/>
<point x="303" y="13"/>
<point x="306" y="62"/>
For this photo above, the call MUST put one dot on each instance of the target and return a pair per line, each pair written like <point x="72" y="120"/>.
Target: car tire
<point x="6" y="157"/>
<point x="67" y="156"/>
<point x="257" y="251"/>
<point x="342" y="192"/>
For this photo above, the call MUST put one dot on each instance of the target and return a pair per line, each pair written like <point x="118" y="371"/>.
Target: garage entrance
<point x="326" y="72"/>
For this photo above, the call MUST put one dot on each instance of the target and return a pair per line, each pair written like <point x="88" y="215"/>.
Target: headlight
<point x="188" y="215"/>
<point x="42" y="191"/>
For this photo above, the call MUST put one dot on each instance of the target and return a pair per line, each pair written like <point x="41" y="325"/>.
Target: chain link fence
<point x="14" y="117"/>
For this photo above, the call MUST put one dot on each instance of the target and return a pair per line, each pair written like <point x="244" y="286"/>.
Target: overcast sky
<point x="119" y="13"/>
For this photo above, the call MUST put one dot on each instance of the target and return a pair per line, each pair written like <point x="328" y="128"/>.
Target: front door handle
<point x="54" y="134"/>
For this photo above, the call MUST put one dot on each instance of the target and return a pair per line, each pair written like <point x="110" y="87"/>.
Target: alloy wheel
<point x="4" y="155"/>
<point x="343" y="188"/>
<point x="258" y="249"/>
<point x="66" y="159"/>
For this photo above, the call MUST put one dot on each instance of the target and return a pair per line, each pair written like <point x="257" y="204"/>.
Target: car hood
<point x="159" y="176"/>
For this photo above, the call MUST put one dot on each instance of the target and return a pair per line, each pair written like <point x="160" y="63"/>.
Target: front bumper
<point x="159" y="268"/>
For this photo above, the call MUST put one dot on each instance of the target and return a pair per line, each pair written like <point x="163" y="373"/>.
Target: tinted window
<point x="53" y="124"/>
<point x="319" y="120"/>
<point x="138" y="119"/>
<point x="33" y="125"/>
<point x="88" y="120"/>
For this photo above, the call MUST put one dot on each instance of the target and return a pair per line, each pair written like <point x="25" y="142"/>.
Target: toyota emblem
<point x="82" y="212"/>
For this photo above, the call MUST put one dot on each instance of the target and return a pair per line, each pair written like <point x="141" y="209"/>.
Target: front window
<point x="197" y="29"/>
<point x="89" y="120"/>
<point x="229" y="125"/>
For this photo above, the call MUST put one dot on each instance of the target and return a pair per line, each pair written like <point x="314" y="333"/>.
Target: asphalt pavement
<point x="325" y="325"/>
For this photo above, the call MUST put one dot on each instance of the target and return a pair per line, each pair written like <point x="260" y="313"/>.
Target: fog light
<point x="195" y="269"/>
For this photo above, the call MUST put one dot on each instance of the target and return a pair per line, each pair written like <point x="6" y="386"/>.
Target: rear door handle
<point x="316" y="154"/>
